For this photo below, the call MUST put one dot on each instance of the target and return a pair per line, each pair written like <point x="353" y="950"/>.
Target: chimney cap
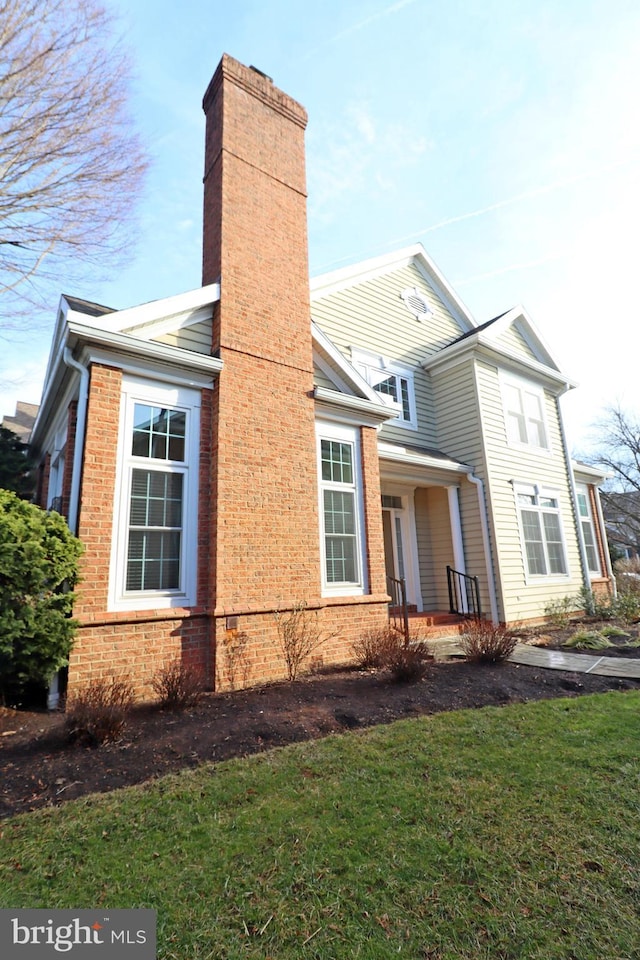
<point x="261" y="73"/>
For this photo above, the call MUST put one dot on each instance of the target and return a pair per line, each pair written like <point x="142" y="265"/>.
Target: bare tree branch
<point x="71" y="164"/>
<point x="619" y="453"/>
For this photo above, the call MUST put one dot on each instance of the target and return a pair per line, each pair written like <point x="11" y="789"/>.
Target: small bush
<point x="627" y="607"/>
<point x="373" y="648"/>
<point x="387" y="649"/>
<point x="178" y="685"/>
<point x="558" y="612"/>
<point x="587" y="640"/>
<point x="408" y="661"/>
<point x="299" y="635"/>
<point x="596" y="606"/>
<point x="486" y="642"/>
<point x="98" y="713"/>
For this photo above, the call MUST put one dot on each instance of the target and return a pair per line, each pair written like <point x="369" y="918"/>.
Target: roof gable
<point x="511" y="339"/>
<point x="416" y="256"/>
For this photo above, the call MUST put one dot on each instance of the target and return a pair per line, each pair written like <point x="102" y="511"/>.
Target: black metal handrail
<point x="398" y="609"/>
<point x="464" y="594"/>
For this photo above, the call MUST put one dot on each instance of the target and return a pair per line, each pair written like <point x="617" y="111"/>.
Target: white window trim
<point x="524" y="386"/>
<point x="583" y="488"/>
<point x="541" y="492"/>
<point x="341" y="433"/>
<point x="57" y="463"/>
<point x="374" y="361"/>
<point x="135" y="390"/>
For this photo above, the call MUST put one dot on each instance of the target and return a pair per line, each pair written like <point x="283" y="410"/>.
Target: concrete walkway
<point x="551" y="659"/>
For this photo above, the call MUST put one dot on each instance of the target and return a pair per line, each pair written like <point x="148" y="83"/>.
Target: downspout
<point x="484" y="523"/>
<point x="605" y="542"/>
<point x="78" y="450"/>
<point x="586" y="579"/>
<point x="53" y="695"/>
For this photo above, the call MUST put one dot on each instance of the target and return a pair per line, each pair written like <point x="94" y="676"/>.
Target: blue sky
<point x="501" y="134"/>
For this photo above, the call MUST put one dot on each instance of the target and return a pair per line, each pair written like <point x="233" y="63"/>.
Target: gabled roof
<point x="352" y="392"/>
<point x="327" y="283"/>
<point x="485" y="341"/>
<point x="94" y="330"/>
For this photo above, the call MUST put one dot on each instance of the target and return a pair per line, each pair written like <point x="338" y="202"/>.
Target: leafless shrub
<point x="232" y="665"/>
<point x="386" y="649"/>
<point x="372" y="649"/>
<point x="486" y="642"/>
<point x="299" y="635"/>
<point x="98" y="712"/>
<point x="408" y="661"/>
<point x="178" y="685"/>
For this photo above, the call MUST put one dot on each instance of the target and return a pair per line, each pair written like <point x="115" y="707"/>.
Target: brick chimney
<point x="265" y="540"/>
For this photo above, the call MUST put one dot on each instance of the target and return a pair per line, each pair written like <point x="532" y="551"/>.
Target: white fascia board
<point x="348" y="409"/>
<point x="167" y="310"/>
<point x="147" y="350"/>
<point x="354" y="380"/>
<point x="589" y="473"/>
<point x="484" y="347"/>
<point x="328" y="283"/>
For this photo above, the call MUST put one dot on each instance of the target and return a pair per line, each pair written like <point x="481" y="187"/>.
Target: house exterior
<point x="262" y="442"/>
<point x="21" y="423"/>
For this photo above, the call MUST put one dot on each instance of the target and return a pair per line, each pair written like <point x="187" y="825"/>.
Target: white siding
<point x="320" y="379"/>
<point x="513" y="340"/>
<point x="524" y="598"/>
<point x="460" y="436"/>
<point x="196" y="337"/>
<point x="372" y="316"/>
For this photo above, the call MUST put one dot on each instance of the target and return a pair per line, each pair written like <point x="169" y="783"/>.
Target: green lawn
<point x="497" y="833"/>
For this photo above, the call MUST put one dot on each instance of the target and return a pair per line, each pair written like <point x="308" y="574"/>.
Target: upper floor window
<point x="154" y="555"/>
<point x="524" y="413"/>
<point x="392" y="382"/>
<point x="542" y="536"/>
<point x="588" y="528"/>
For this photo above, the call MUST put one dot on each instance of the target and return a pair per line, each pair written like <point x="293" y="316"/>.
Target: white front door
<point x="400" y="558"/>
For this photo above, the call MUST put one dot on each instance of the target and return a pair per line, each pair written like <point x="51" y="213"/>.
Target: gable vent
<point x="416" y="303"/>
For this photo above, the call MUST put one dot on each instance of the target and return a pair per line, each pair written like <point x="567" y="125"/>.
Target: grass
<point x="486" y="835"/>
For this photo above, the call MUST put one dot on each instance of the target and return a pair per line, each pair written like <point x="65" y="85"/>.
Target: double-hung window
<point x="341" y="524"/>
<point x="524" y="413"/>
<point x="541" y="526"/>
<point x="392" y="382"/>
<point x="588" y="529"/>
<point x="156" y="537"/>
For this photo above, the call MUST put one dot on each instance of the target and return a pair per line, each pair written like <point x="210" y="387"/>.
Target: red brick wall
<point x="266" y="522"/>
<point x="373" y="511"/>
<point x="95" y="525"/>
<point x="258" y="534"/>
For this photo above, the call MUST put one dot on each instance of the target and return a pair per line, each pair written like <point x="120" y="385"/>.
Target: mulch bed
<point x="39" y="768"/>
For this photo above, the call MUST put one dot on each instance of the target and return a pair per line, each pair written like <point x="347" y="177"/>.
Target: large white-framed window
<point x="524" y="412"/>
<point x="542" y="533"/>
<point x="154" y="554"/>
<point x="393" y="383"/>
<point x="341" y="509"/>
<point x="587" y="525"/>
